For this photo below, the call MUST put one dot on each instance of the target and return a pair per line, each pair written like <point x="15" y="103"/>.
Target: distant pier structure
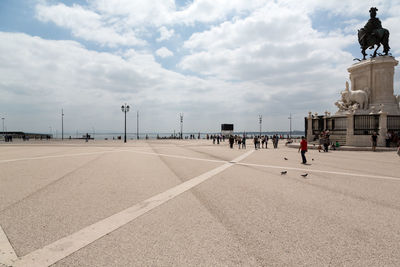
<point x="23" y="135"/>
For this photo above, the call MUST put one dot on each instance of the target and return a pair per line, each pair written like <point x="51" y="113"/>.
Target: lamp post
<point x="125" y="109"/>
<point x="62" y="124"/>
<point x="260" y="121"/>
<point x="3" y="125"/>
<point x="137" y="125"/>
<point x="290" y="123"/>
<point x="181" y="120"/>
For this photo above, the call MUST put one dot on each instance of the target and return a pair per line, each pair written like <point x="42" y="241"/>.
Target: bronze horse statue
<point x="373" y="34"/>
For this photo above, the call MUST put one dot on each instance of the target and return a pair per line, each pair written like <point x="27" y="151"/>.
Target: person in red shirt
<point x="303" y="148"/>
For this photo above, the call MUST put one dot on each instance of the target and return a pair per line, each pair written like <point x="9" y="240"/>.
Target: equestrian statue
<point x="373" y="34"/>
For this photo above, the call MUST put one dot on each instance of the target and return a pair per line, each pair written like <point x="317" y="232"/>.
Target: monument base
<point x="369" y="106"/>
<point x="376" y="76"/>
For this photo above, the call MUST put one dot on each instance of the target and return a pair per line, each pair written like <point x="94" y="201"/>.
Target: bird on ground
<point x="286" y="158"/>
<point x="304" y="175"/>
<point x="312" y="159"/>
<point x="284" y="172"/>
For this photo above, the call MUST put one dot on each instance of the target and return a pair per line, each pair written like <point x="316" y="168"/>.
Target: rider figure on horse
<point x="373" y="28"/>
<point x="373" y="34"/>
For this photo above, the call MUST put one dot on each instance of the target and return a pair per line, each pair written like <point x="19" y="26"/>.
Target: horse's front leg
<point x="364" y="54"/>
<point x="375" y="52"/>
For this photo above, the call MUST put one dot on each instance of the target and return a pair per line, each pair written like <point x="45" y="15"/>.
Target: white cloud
<point x="250" y="58"/>
<point x="43" y="76"/>
<point x="164" y="52"/>
<point x="165" y="34"/>
<point x="270" y="44"/>
<point x="87" y="25"/>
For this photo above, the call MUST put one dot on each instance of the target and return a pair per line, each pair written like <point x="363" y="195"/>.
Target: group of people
<point x="258" y="141"/>
<point x="237" y="139"/>
<point x="390" y="139"/>
<point x="324" y="141"/>
<point x="8" y="138"/>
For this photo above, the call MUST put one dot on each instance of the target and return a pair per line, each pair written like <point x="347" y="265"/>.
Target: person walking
<point x="231" y="141"/>
<point x="255" y="142"/>
<point x="388" y="138"/>
<point x="276" y="141"/>
<point x="374" y="139"/>
<point x="244" y="142"/>
<point x="303" y="149"/>
<point x="398" y="148"/>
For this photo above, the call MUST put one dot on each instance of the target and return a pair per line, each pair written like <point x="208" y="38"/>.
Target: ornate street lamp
<point x="125" y="109"/>
<point x="181" y="120"/>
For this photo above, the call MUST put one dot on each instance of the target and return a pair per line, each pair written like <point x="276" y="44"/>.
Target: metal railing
<point x="366" y="124"/>
<point x="339" y="125"/>
<point x="393" y="123"/>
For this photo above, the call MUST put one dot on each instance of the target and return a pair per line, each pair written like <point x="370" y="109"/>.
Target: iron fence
<point x="339" y="125"/>
<point x="366" y="124"/>
<point x="393" y="123"/>
<point x="318" y="125"/>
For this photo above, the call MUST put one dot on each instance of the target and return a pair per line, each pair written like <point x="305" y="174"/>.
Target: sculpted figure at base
<point x="341" y="105"/>
<point x="373" y="34"/>
<point x="353" y="100"/>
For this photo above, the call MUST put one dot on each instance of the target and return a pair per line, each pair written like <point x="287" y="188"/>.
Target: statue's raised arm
<point x="373" y="34"/>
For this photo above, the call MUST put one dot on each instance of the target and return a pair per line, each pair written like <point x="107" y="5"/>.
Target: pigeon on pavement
<point x="284" y="172"/>
<point x="286" y="158"/>
<point x="304" y="175"/>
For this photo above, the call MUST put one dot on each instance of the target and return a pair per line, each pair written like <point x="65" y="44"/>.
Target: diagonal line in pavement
<point x="7" y="253"/>
<point x="321" y="171"/>
<point x="64" y="247"/>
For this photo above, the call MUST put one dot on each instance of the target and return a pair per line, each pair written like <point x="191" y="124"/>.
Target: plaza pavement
<point x="192" y="203"/>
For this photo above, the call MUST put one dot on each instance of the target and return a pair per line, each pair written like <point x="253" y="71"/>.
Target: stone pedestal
<point x="350" y="130"/>
<point x="371" y="94"/>
<point x="310" y="135"/>
<point x="377" y="75"/>
<point x="382" y="128"/>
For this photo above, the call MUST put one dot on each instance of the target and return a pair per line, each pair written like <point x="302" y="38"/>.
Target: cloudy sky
<point x="216" y="61"/>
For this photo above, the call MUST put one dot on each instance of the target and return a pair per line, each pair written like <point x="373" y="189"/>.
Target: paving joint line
<point x="68" y="245"/>
<point x="7" y="252"/>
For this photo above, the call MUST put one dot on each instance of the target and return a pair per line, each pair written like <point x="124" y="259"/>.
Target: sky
<point x="214" y="61"/>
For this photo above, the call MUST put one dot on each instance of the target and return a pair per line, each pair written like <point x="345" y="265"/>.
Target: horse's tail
<point x="385" y="41"/>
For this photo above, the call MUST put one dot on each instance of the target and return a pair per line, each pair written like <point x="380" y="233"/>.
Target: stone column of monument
<point x="375" y="76"/>
<point x="310" y="136"/>
<point x="350" y="130"/>
<point x="382" y="128"/>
